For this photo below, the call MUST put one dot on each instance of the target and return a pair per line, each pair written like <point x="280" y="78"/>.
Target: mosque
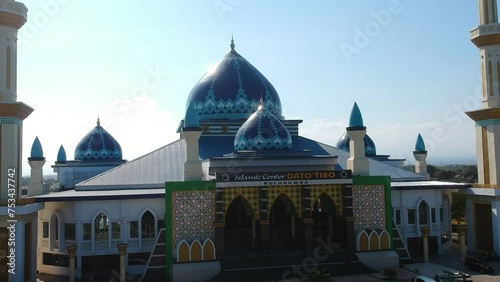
<point x="240" y="182"/>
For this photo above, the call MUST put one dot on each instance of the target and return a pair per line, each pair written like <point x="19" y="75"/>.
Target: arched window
<point x="56" y="226"/>
<point x="147" y="225"/>
<point x="101" y="227"/>
<point x="8" y="66"/>
<point x="423" y="213"/>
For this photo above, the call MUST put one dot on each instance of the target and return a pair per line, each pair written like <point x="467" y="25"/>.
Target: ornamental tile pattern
<point x="292" y="192"/>
<point x="262" y="131"/>
<point x="250" y="194"/>
<point x="369" y="207"/>
<point x="98" y="144"/>
<point x="232" y="90"/>
<point x="193" y="216"/>
<point x="333" y="191"/>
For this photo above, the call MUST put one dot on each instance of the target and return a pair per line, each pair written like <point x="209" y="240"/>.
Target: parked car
<point x="478" y="265"/>
<point x="423" y="278"/>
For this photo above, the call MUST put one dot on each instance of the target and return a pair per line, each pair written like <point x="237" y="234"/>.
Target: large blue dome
<point x="262" y="131"/>
<point x="370" y="149"/>
<point x="232" y="90"/>
<point x="98" y="144"/>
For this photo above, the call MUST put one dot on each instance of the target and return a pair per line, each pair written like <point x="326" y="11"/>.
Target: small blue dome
<point x="36" y="149"/>
<point x="232" y="90"/>
<point x="98" y="144"/>
<point x="61" y="155"/>
<point x="355" y="120"/>
<point x="262" y="131"/>
<point x="191" y="119"/>
<point x="370" y="149"/>
<point x="420" y="145"/>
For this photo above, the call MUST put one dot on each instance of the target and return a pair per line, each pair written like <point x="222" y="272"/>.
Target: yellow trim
<point x="488" y="186"/>
<point x="332" y="191"/>
<point x="484" y="114"/>
<point x="12" y="20"/>
<point x="486" y="160"/>
<point x="18" y="110"/>
<point x="249" y="194"/>
<point x="486" y="40"/>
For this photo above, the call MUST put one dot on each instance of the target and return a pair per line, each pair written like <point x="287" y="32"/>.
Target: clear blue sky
<point x="415" y="71"/>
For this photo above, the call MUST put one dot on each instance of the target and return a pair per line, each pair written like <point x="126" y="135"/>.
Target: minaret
<point x="191" y="132"/>
<point x="12" y="113"/>
<point x="420" y="155"/>
<point x="487" y="38"/>
<point x="36" y="161"/>
<point x="61" y="160"/>
<point x="357" y="161"/>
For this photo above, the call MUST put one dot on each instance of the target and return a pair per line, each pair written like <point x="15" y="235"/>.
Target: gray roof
<point x="149" y="171"/>
<point x="376" y="168"/>
<point x="166" y="164"/>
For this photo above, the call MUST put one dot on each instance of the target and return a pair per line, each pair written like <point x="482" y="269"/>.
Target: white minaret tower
<point x="36" y="161"/>
<point x="18" y="215"/>
<point x="191" y="132"/>
<point x="12" y="113"/>
<point x="420" y="155"/>
<point x="357" y="162"/>
<point x="487" y="38"/>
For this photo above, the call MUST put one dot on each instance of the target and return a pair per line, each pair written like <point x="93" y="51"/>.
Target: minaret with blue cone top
<point x="357" y="162"/>
<point x="191" y="131"/>
<point x="420" y="155"/>
<point x="36" y="162"/>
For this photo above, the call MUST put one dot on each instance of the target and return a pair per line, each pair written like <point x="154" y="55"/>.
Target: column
<point x="219" y="239"/>
<point x="425" y="236"/>
<point x="264" y="234"/>
<point x="254" y="230"/>
<point x="71" y="254"/>
<point x="330" y="226"/>
<point x="292" y="224"/>
<point x="122" y="250"/>
<point x="461" y="237"/>
<point x="308" y="235"/>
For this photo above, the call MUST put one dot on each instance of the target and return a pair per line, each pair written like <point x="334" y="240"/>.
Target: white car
<point x="423" y="278"/>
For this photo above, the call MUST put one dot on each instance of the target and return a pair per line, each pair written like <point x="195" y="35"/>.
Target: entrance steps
<point x="400" y="245"/>
<point x="292" y="266"/>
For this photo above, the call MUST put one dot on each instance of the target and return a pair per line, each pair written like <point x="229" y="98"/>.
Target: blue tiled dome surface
<point x="262" y="131"/>
<point x="98" y="144"/>
<point x="233" y="90"/>
<point x="370" y="148"/>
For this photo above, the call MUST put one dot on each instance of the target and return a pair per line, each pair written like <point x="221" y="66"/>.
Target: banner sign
<point x="284" y="178"/>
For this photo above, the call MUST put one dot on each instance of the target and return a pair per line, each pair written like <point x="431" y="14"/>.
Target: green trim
<point x="171" y="187"/>
<point x="486" y="122"/>
<point x="11" y="120"/>
<point x="380" y="180"/>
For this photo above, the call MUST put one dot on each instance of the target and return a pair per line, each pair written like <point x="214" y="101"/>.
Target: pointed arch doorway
<point x="284" y="228"/>
<point x="240" y="229"/>
<point x="328" y="225"/>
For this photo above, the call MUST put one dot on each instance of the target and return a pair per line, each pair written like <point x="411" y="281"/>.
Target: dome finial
<point x="232" y="42"/>
<point x="261" y="103"/>
<point x="98" y="121"/>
